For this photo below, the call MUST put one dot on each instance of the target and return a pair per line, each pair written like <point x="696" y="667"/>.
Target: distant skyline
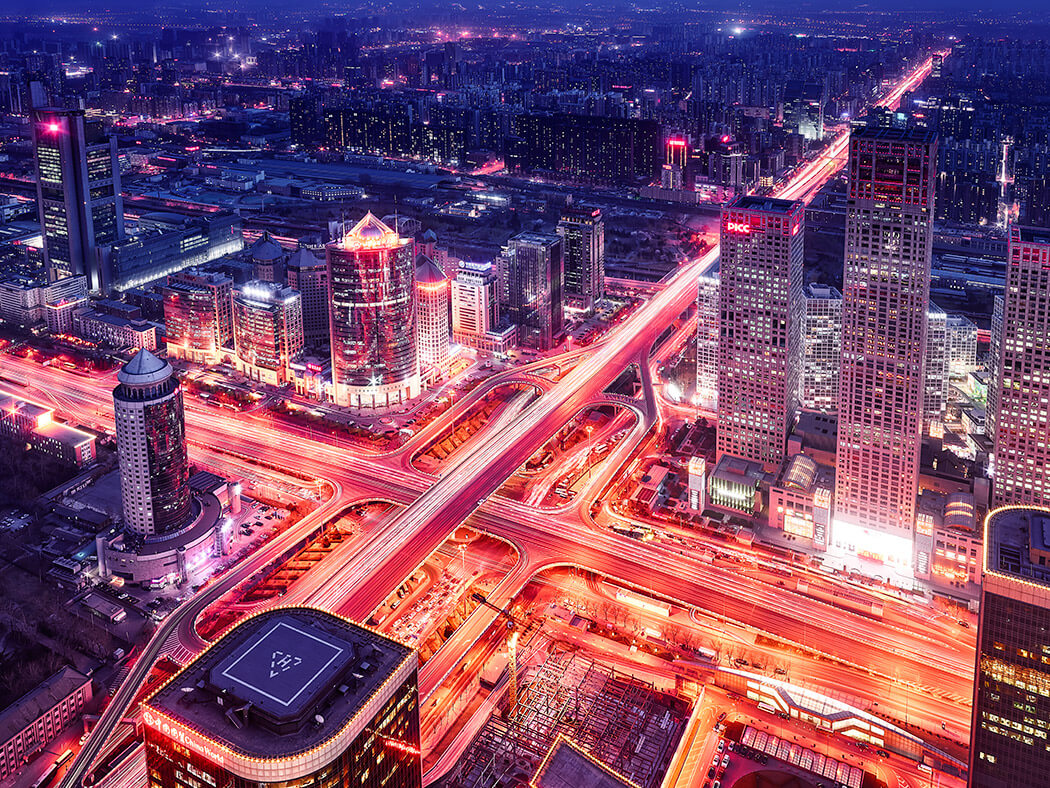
<point x="937" y="11"/>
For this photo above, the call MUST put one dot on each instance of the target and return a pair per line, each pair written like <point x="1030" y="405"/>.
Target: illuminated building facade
<point x="78" y="193"/>
<point x="1022" y="423"/>
<point x="882" y="377"/>
<point x="432" y="305"/>
<point x="800" y="500"/>
<point x="533" y="287"/>
<point x="582" y="234"/>
<point x="759" y="351"/>
<point x="371" y="278"/>
<point x="267" y="330"/>
<point x="198" y="315"/>
<point x="308" y="273"/>
<point x="475" y="309"/>
<point x="821" y="346"/>
<point x="1011" y="708"/>
<point x="292" y="697"/>
<point x="937" y="360"/>
<point x="151" y="442"/>
<point x="708" y="320"/>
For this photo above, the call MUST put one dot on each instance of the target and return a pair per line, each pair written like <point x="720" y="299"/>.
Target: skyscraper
<point x="886" y="288"/>
<point x="1011" y="705"/>
<point x="432" y="305"/>
<point x="1022" y="423"/>
<point x="371" y="278"/>
<point x="533" y="277"/>
<point x="821" y="346"/>
<point x="151" y="442"/>
<point x="289" y="697"/>
<point x="759" y="349"/>
<point x="78" y="194"/>
<point x="937" y="370"/>
<point x="267" y="330"/>
<point x="475" y="303"/>
<point x="308" y="274"/>
<point x="582" y="234"/>
<point x="198" y="317"/>
<point x="708" y="321"/>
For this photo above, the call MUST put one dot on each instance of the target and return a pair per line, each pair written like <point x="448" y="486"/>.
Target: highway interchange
<point x="928" y="660"/>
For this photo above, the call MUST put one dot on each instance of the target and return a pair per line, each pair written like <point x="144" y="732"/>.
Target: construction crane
<point x="512" y="651"/>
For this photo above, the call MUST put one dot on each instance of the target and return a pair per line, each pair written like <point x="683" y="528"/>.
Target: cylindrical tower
<point x="371" y="279"/>
<point x="432" y="290"/>
<point x="151" y="442"/>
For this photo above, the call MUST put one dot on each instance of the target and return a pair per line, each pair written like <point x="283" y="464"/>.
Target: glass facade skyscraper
<point x="760" y="342"/>
<point x="151" y="442"/>
<point x="1010" y="731"/>
<point x="371" y="279"/>
<point x="1022" y="375"/>
<point x="78" y="194"/>
<point x="885" y="299"/>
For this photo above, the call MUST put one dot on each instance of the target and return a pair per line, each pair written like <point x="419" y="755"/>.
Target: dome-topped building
<point x="432" y="306"/>
<point x="269" y="259"/>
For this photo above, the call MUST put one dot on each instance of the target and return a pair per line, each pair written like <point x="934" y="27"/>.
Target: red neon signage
<point x="740" y="228"/>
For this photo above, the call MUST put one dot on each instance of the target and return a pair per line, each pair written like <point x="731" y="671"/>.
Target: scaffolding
<point x="624" y="722"/>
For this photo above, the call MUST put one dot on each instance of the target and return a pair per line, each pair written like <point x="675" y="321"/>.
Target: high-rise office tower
<point x="582" y="234"/>
<point x="708" y="321"/>
<point x="994" y="369"/>
<point x="533" y="278"/>
<point x="267" y="330"/>
<point x="821" y="346"/>
<point x="371" y="278"/>
<point x="308" y="274"/>
<point x="78" y="194"/>
<point x="759" y="349"/>
<point x="475" y="303"/>
<point x="198" y="317"/>
<point x="289" y="697"/>
<point x="1011" y="705"/>
<point x="885" y="298"/>
<point x="151" y="443"/>
<point x="432" y="305"/>
<point x="937" y="371"/>
<point x="1022" y="423"/>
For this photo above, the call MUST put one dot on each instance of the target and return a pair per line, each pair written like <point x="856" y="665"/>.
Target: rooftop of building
<point x="915" y="134"/>
<point x="1033" y="235"/>
<point x="282" y="682"/>
<point x="739" y="471"/>
<point x="144" y="369"/>
<point x="536" y="238"/>
<point x="266" y="249"/>
<point x="304" y="258"/>
<point x="12" y="403"/>
<point x="427" y="271"/>
<point x="267" y="293"/>
<point x="751" y="202"/>
<point x="1017" y="543"/>
<point x="818" y="290"/>
<point x="64" y="433"/>
<point x="37" y="702"/>
<point x="371" y="233"/>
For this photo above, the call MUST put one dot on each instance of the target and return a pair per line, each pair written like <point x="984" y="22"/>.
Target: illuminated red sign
<point x="740" y="228"/>
<point x="676" y="143"/>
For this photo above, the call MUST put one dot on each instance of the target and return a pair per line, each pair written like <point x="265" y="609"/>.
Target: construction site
<point x="624" y="722"/>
